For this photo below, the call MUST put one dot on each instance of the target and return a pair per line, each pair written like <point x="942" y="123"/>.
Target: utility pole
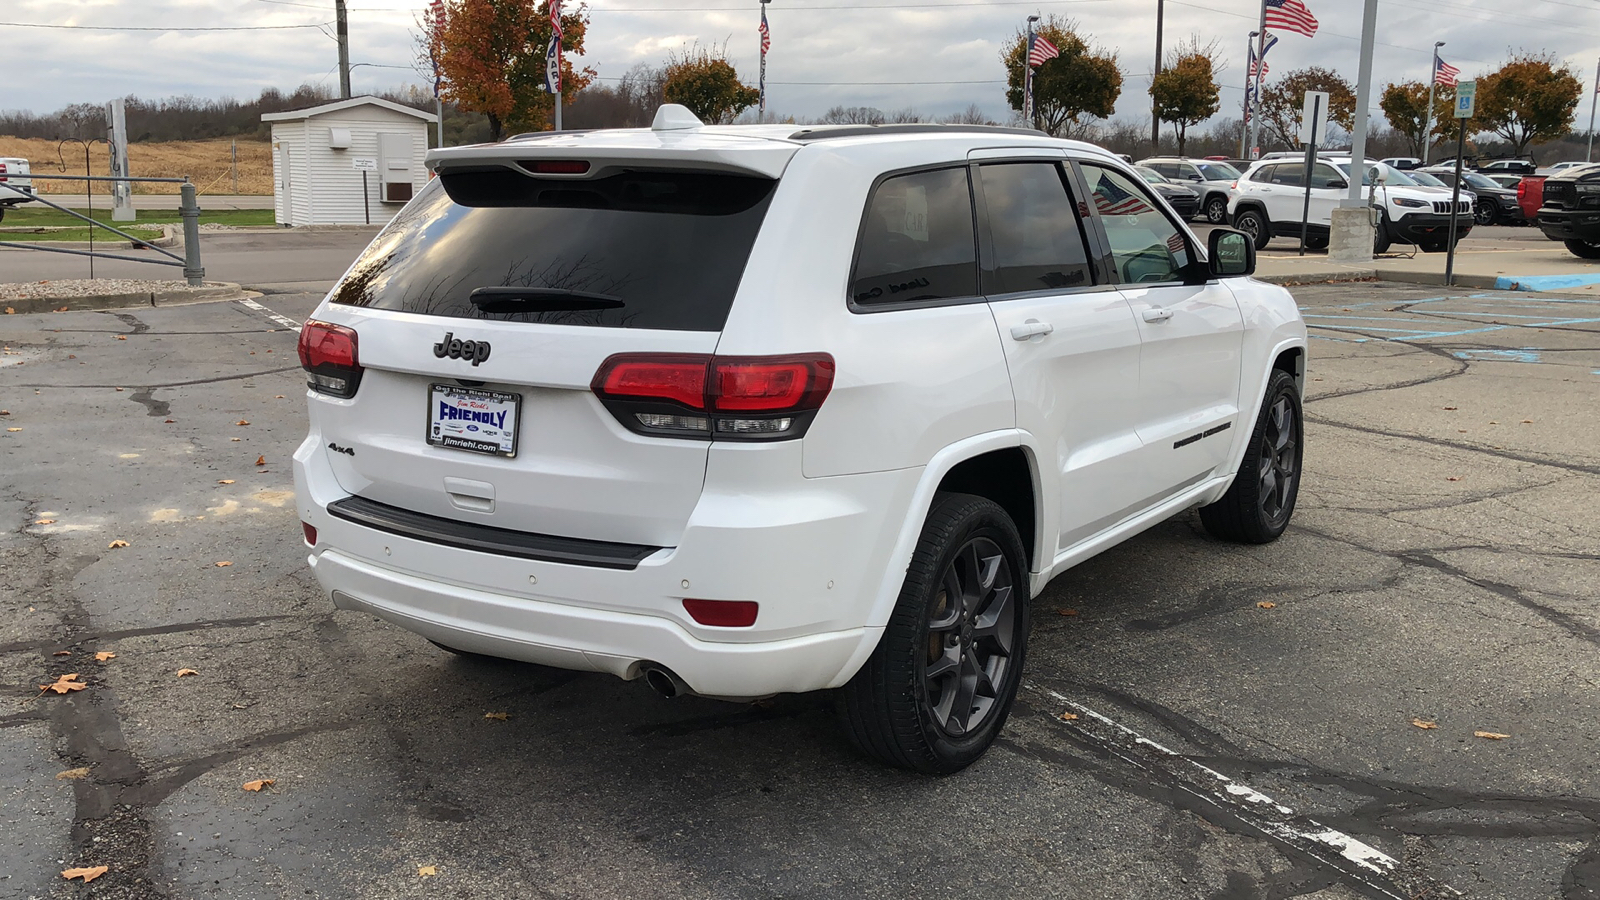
<point x="1155" y="117"/>
<point x="1427" y="119"/>
<point x="1027" y="77"/>
<point x="1244" y="127"/>
<point x="342" y="29"/>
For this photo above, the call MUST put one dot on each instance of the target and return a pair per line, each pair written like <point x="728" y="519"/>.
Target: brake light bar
<point x="556" y="166"/>
<point x="329" y="355"/>
<point x="701" y="396"/>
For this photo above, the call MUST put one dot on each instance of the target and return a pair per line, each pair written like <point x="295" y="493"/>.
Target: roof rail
<point x="826" y="132"/>
<point x="530" y="135"/>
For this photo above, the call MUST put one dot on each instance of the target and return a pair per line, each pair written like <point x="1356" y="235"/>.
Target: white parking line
<point x="285" y="321"/>
<point x="1357" y="860"/>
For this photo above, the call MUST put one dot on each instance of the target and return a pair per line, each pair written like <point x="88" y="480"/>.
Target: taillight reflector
<point x="556" y="166"/>
<point x="310" y="532"/>
<point x="737" y="397"/>
<point x="722" y="613"/>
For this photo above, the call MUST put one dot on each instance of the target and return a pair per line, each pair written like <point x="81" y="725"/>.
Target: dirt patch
<point x="208" y="164"/>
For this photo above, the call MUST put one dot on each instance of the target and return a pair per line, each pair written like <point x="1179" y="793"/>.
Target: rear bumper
<point x="1570" y="224"/>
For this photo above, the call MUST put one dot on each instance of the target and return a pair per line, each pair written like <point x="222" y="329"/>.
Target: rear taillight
<point x="2" y="171"/>
<point x="748" y="398"/>
<point x="722" y="613"/>
<point x="310" y="532"/>
<point x="328" y="353"/>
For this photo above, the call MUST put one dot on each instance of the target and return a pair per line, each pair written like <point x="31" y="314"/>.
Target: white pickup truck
<point x="14" y="189"/>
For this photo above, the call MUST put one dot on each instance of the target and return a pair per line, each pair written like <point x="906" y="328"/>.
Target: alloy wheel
<point x="972" y="631"/>
<point x="1485" y="214"/>
<point x="1280" y="463"/>
<point x="1217" y="211"/>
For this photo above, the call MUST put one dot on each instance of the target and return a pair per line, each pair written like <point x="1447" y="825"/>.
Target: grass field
<point x="207" y="163"/>
<point x="12" y="228"/>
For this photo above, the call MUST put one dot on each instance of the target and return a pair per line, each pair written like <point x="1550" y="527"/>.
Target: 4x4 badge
<point x="477" y="351"/>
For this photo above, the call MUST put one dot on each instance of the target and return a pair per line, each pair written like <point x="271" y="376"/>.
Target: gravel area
<point x="87" y="287"/>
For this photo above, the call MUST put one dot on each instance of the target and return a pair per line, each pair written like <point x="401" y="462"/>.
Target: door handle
<point x="1031" y="328"/>
<point x="1157" y="314"/>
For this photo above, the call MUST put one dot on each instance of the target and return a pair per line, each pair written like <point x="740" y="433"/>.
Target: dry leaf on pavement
<point x="1066" y="612"/>
<point x="502" y="716"/>
<point x="427" y="871"/>
<point x="186" y="672"/>
<point x="1424" y="723"/>
<point x="169" y="421"/>
<point x="65" y="683"/>
<point x="44" y="521"/>
<point x="226" y="562"/>
<point x="259" y="784"/>
<point x="13" y="429"/>
<point x="73" y="774"/>
<point x="62" y="653"/>
<point x="10" y="311"/>
<point x="122" y="337"/>
<point x="1491" y="735"/>
<point x="242" y="422"/>
<point x="92" y="872"/>
<point x="1068" y="717"/>
<point x="117" y="545"/>
<point x="261" y="460"/>
<point x="104" y="655"/>
<point x="1266" y="604"/>
<point x="225" y="481"/>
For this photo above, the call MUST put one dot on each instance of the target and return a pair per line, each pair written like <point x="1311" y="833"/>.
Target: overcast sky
<point x="935" y="56"/>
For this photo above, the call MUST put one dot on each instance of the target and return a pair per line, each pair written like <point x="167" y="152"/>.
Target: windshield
<point x="1151" y="175"/>
<point x="1426" y="180"/>
<point x="1393" y="176"/>
<point x="1217" y="171"/>
<point x="1473" y="179"/>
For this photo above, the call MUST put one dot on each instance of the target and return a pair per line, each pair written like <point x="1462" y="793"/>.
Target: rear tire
<point x="1253" y="223"/>
<point x="941" y="682"/>
<point x="1316" y="242"/>
<point x="1258" y="505"/>
<point x="1217" y="210"/>
<point x="1585" y="249"/>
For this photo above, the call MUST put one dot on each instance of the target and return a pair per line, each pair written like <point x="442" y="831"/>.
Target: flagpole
<point x="1261" y="54"/>
<point x="1427" y="119"/>
<point x="1244" y="127"/>
<point x="762" y="109"/>
<point x="1589" y="154"/>
<point x="1027" y="76"/>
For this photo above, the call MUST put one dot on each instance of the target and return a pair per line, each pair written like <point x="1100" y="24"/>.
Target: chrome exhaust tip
<point x="664" y="682"/>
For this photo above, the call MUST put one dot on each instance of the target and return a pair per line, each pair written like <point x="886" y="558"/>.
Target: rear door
<point x="1191" y="337"/>
<point x="1071" y="342"/>
<point x="484" y="311"/>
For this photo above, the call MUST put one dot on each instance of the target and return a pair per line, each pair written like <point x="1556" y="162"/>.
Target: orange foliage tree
<point x="491" y="57"/>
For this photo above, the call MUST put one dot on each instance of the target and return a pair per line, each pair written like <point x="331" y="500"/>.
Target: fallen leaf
<point x="1066" y="612"/>
<point x="502" y="716"/>
<point x="1450" y="407"/>
<point x="44" y="521"/>
<point x="13" y="429"/>
<point x="104" y="655"/>
<point x="1424" y="723"/>
<point x="1068" y="717"/>
<point x="115" y="545"/>
<point x="62" y="309"/>
<point x="1452" y="478"/>
<point x="91" y="873"/>
<point x="10" y="311"/>
<point x="259" y="784"/>
<point x="261" y="460"/>
<point x="73" y="774"/>
<point x="279" y="397"/>
<point x="62" y="653"/>
<point x="224" y="563"/>
<point x="226" y="481"/>
<point x="169" y="421"/>
<point x="119" y="390"/>
<point x="235" y="440"/>
<point x="65" y="683"/>
<point x="185" y="672"/>
<point x="1491" y="735"/>
<point x="427" y="871"/>
<point x="1527" y="421"/>
<point x="122" y="337"/>
<point x="5" y="412"/>
<point x="242" y="422"/>
<point x="1266" y="604"/>
<point x="1494" y="423"/>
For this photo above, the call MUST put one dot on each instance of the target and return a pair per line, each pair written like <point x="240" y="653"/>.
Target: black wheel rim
<point x="1279" y="465"/>
<point x="1247" y="223"/>
<point x="972" y="631"/>
<point x="1217" y="211"/>
<point x="1485" y="214"/>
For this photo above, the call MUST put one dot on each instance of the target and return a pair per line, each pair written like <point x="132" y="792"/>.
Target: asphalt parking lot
<point x="1294" y="720"/>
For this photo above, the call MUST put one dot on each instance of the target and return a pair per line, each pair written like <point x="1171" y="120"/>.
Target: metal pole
<point x="438" y="110"/>
<point x="762" y="112"/>
<point x="88" y="187"/>
<point x="1027" y="77"/>
<point x="558" y="110"/>
<point x="1455" y="201"/>
<point x="1588" y="155"/>
<point x="1261" y="53"/>
<point x="235" y="151"/>
<point x="1427" y="117"/>
<point x="1358" y="140"/>
<point x="1311" y="158"/>
<point x="1155" y="117"/>
<point x="189" y="209"/>
<point x="1244" y="127"/>
<point x="342" y="30"/>
<point x="366" y="201"/>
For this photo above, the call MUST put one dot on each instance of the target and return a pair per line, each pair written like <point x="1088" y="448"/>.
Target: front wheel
<point x="1258" y="505"/>
<point x="941" y="682"/>
<point x="1486" y="213"/>
<point x="1585" y="249"/>
<point x="1253" y="223"/>
<point x="1217" y="210"/>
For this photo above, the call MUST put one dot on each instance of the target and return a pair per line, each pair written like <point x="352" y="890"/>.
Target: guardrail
<point x="188" y="209"/>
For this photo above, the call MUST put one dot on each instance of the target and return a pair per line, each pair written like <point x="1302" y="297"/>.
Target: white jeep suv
<point x="1271" y="198"/>
<point x="749" y="410"/>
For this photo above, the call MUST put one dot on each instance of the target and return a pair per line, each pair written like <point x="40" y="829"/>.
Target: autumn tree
<point x="1082" y="81"/>
<point x="1283" y="100"/>
<point x="1185" y="92"/>
<point x="1528" y="100"/>
<point x="491" y="58"/>
<point x="1406" y="107"/>
<point x="703" y="80"/>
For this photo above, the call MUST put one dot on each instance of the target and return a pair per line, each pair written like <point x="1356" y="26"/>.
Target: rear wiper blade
<point x="532" y="299"/>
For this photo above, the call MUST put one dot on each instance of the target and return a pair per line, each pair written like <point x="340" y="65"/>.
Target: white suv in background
<point x="1270" y="199"/>
<point x="750" y="410"/>
<point x="15" y="185"/>
<point x="1212" y="179"/>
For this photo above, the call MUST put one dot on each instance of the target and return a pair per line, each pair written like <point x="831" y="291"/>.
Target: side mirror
<point x="1338" y="184"/>
<point x="1232" y="253"/>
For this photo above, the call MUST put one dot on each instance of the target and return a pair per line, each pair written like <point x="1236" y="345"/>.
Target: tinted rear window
<point x="917" y="240"/>
<point x="670" y="246"/>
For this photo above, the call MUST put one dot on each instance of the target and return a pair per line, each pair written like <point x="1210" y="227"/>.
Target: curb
<point x="213" y="290"/>
<point x="169" y="238"/>
<point x="1321" y="277"/>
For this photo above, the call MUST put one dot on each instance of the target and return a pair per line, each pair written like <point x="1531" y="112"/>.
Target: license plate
<point x="479" y="421"/>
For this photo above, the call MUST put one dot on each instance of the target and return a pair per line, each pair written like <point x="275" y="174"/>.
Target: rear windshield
<point x="662" y="250"/>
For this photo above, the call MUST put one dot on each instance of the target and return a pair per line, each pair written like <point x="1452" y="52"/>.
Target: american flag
<point x="1264" y="68"/>
<point x="1444" y="73"/>
<point x="555" y="19"/>
<point x="1291" y="15"/>
<point x="1041" y="50"/>
<point x="766" y="33"/>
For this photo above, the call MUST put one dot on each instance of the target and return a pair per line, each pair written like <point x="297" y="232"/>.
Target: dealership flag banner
<point x="1444" y="74"/>
<point x="552" y="59"/>
<point x="766" y="44"/>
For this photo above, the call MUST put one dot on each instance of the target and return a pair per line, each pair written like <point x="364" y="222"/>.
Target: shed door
<point x="396" y="156"/>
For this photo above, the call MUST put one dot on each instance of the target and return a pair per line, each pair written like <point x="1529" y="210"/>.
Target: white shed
<point x="319" y="156"/>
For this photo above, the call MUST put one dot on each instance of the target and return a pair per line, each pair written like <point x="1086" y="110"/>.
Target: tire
<point x="1254" y="223"/>
<point x="1585" y="249"/>
<point x="1216" y="209"/>
<point x="933" y="704"/>
<point x="1487" y="213"/>
<point x="1316" y="242"/>
<point x="1258" y="505"/>
<point x="1380" y="235"/>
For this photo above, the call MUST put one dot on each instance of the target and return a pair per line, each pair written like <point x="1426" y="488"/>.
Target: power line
<point x="158" y="28"/>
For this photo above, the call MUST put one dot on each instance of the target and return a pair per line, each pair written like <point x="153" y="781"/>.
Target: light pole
<point x="1155" y="117"/>
<point x="1589" y="154"/>
<point x="1244" y="127"/>
<point x="1427" y="118"/>
<point x="1027" y="76"/>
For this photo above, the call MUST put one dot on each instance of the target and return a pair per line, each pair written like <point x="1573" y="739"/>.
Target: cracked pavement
<point x="1443" y="566"/>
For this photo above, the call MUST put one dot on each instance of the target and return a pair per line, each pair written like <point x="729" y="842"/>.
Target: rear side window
<point x="1038" y="239"/>
<point x="659" y="250"/>
<point x="917" y="241"/>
